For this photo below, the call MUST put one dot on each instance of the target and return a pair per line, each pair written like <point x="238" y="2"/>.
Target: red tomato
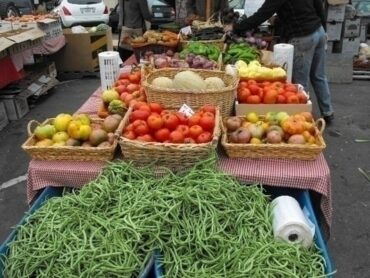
<point x="204" y="137"/>
<point x="145" y="107"/>
<point x="184" y="129"/>
<point x="208" y="108"/>
<point x="138" y="104"/>
<point x="129" y="127"/>
<point x="254" y="89"/>
<point x="207" y="123"/>
<point x="278" y="84"/>
<point x="155" y="122"/>
<point x="182" y="117"/>
<point x="243" y="94"/>
<point x="120" y="89"/>
<point x="189" y="140"/>
<point x="140" y="127"/>
<point x="176" y="137"/>
<point x="132" y="87"/>
<point x="129" y="134"/>
<point x="124" y="75"/>
<point x="243" y="84"/>
<point x="139" y="115"/>
<point x="270" y="96"/>
<point x="123" y="96"/>
<point x="195" y="131"/>
<point x="155" y="107"/>
<point x="145" y="138"/>
<point x="292" y="99"/>
<point x="290" y="87"/>
<point x="135" y="77"/>
<point x="266" y="83"/>
<point x="254" y="99"/>
<point x="302" y="97"/>
<point x="252" y="82"/>
<point x="194" y="120"/>
<point x="280" y="99"/>
<point x="128" y="99"/>
<point x="165" y="112"/>
<point x="124" y="82"/>
<point x="162" y="134"/>
<point x="171" y="121"/>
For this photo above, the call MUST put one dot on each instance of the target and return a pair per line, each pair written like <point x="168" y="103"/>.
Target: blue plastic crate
<point x="304" y="199"/>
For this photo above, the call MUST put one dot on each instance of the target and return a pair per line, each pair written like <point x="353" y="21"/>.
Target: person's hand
<point x="228" y="28"/>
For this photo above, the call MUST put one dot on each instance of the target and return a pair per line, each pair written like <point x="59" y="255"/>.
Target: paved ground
<point x="350" y="239"/>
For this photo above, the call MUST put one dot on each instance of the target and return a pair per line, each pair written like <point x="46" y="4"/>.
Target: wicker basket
<point x="219" y="43"/>
<point x="77" y="153"/>
<point x="170" y="155"/>
<point x="280" y="151"/>
<point x="174" y="98"/>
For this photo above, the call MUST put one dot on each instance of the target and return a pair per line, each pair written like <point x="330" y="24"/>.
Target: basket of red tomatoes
<point x="169" y="138"/>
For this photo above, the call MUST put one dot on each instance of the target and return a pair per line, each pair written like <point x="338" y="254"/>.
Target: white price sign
<point x="186" y="110"/>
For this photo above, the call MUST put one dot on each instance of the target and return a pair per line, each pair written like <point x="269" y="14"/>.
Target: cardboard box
<point x="52" y="28"/>
<point x="241" y="109"/>
<point x="81" y="51"/>
<point x="336" y="13"/>
<point x="3" y="116"/>
<point x="334" y="30"/>
<point x="351" y="28"/>
<point x="16" y="106"/>
<point x="17" y="41"/>
<point x="350" y="46"/>
<point x="363" y="32"/>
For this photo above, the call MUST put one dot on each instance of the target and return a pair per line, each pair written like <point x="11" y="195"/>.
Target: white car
<point x="82" y="12"/>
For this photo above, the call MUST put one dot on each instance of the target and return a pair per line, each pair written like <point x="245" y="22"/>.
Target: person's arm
<point x="144" y="9"/>
<point x="319" y="7"/>
<point x="267" y="10"/>
<point x="190" y="7"/>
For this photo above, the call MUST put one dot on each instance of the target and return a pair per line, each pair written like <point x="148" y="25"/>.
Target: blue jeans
<point x="309" y="65"/>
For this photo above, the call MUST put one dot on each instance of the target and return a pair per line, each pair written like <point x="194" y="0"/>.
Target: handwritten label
<point x="186" y="110"/>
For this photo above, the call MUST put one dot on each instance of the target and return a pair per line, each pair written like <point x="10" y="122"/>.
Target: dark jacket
<point x="135" y="12"/>
<point x="198" y="7"/>
<point x="298" y="18"/>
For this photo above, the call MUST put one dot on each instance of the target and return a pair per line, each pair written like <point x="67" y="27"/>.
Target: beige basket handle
<point x="320" y="123"/>
<point x="29" y="126"/>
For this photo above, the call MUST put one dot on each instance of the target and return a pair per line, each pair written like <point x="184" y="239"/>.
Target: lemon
<point x="252" y="117"/>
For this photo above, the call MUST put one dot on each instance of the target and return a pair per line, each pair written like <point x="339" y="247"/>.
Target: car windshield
<point x="236" y="4"/>
<point x="84" y="2"/>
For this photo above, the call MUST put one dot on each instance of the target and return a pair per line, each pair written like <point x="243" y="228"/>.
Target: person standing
<point x="197" y="8"/>
<point x="302" y="22"/>
<point x="133" y="16"/>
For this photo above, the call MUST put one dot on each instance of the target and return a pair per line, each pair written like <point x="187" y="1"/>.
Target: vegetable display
<point x="254" y="70"/>
<point x="241" y="51"/>
<point x="205" y="34"/>
<point x="252" y="40"/>
<point x="209" y="51"/>
<point x="204" y="223"/>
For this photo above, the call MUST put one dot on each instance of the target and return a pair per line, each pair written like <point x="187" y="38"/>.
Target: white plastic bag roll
<point x="283" y="56"/>
<point x="109" y="63"/>
<point x="289" y="223"/>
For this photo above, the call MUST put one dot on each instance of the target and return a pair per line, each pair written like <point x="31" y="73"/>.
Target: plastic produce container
<point x="304" y="199"/>
<point x="149" y="271"/>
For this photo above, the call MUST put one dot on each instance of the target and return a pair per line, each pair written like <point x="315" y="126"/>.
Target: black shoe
<point x="329" y="119"/>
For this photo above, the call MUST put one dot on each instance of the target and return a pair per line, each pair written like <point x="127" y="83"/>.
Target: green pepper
<point x="213" y="52"/>
<point x="184" y="53"/>
<point x="197" y="48"/>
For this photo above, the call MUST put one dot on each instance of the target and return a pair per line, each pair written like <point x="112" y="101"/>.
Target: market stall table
<point x="307" y="175"/>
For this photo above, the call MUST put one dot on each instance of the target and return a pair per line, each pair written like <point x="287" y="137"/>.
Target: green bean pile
<point x="204" y="223"/>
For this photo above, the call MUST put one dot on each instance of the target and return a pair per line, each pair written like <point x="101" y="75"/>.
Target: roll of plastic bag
<point x="289" y="222"/>
<point x="283" y="55"/>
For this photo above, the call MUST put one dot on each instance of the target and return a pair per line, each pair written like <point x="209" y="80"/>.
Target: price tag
<point x="186" y="110"/>
<point x="186" y="30"/>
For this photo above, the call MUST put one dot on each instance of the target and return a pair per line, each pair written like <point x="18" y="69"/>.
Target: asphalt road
<point x="350" y="234"/>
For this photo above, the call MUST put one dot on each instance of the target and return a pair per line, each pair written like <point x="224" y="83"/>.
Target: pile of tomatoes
<point x="150" y="122"/>
<point x="128" y="87"/>
<point x="252" y="92"/>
